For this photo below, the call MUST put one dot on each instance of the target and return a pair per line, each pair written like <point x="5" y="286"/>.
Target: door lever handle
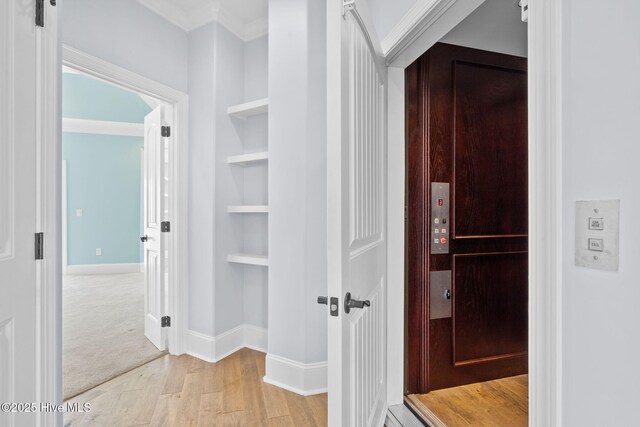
<point x="144" y="238"/>
<point x="350" y="303"/>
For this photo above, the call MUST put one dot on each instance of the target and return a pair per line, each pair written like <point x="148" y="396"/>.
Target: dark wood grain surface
<point x="467" y="125"/>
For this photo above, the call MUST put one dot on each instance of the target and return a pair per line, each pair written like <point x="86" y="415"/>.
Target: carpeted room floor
<point x="103" y="329"/>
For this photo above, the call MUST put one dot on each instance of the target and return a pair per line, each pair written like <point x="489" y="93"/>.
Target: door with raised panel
<point x="467" y="217"/>
<point x="357" y="242"/>
<point x="153" y="209"/>
<point x="18" y="285"/>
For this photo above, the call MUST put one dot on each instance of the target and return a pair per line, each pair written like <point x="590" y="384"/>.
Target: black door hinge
<point x="40" y="13"/>
<point x="165" y="131"/>
<point x="165" y="226"/>
<point x="165" y="321"/>
<point x="39" y="246"/>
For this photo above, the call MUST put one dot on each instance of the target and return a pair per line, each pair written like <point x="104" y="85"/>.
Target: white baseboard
<point x="255" y="338"/>
<point x="305" y="379"/>
<point x="213" y="349"/>
<point x="104" y="268"/>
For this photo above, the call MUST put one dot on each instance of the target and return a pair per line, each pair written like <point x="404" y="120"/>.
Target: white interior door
<point x="18" y="286"/>
<point x="153" y="242"/>
<point x="356" y="227"/>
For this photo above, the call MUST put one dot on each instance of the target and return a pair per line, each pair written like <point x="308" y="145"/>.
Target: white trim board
<point x="545" y="212"/>
<point x="545" y="197"/>
<point x="176" y="115"/>
<point x="102" y="127"/>
<point x="103" y="268"/>
<point x="213" y="349"/>
<point x="423" y="26"/>
<point x="47" y="116"/>
<point x="305" y="379"/>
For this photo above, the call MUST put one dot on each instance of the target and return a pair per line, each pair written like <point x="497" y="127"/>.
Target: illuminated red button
<point x="440" y="202"/>
<point x="443" y="240"/>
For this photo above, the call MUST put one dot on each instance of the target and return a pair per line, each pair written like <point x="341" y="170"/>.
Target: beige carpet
<point x="103" y="329"/>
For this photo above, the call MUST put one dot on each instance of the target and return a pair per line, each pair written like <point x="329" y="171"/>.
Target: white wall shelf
<point x="248" y="259"/>
<point x="247" y="159"/>
<point x="248" y="209"/>
<point x="248" y="109"/>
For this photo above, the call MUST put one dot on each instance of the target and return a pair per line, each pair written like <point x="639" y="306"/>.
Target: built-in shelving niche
<point x="243" y="111"/>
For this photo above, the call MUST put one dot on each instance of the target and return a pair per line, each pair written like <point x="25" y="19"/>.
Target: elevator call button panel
<point x="597" y="234"/>
<point x="440" y="218"/>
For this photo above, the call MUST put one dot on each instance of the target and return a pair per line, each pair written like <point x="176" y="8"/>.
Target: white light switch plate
<point x="79" y="212"/>
<point x="598" y="234"/>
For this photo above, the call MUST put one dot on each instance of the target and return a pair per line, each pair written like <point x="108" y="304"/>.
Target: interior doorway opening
<point x="467" y="223"/>
<point x="118" y="201"/>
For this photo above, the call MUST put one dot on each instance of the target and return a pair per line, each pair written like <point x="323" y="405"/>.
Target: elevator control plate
<point x="597" y="234"/>
<point x="440" y="218"/>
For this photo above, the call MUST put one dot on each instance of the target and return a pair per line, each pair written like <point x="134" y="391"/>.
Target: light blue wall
<point x="103" y="179"/>
<point x="84" y="97"/>
<point x="104" y="174"/>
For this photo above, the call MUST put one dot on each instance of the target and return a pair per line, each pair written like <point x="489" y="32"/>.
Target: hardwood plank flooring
<point x="496" y="403"/>
<point x="183" y="391"/>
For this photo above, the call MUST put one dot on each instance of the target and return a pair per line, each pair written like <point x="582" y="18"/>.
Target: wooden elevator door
<point x="467" y="126"/>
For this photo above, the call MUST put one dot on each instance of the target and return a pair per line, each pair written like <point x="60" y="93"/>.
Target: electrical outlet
<point x="99" y="251"/>
<point x="79" y="212"/>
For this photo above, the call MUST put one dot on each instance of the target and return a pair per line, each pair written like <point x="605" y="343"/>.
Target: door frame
<point x="424" y="25"/>
<point x="177" y="117"/>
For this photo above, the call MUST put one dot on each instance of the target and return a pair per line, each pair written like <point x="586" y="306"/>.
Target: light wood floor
<point x="496" y="403"/>
<point x="184" y="391"/>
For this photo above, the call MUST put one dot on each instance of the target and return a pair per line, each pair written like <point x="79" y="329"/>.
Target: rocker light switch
<point x="597" y="234"/>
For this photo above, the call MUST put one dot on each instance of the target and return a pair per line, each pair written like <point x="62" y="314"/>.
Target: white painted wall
<point x="229" y="181"/>
<point x="385" y="14"/>
<point x="202" y="157"/>
<point x="127" y="34"/>
<point x="495" y="26"/>
<point x="256" y="135"/>
<point x="601" y="106"/>
<point x="297" y="180"/>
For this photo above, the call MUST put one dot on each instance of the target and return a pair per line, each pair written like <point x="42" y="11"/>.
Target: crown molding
<point x="417" y="19"/>
<point x="205" y="14"/>
<point x="169" y="11"/>
<point x="102" y="127"/>
<point x="256" y="29"/>
<point x="230" y="22"/>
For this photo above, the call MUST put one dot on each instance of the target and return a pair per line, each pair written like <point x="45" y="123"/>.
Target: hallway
<point x="185" y="391"/>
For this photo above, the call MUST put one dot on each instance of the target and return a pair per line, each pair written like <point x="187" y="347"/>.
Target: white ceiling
<point x="245" y="18"/>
